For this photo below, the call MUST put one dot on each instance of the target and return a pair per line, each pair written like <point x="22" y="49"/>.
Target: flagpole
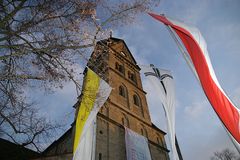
<point x="178" y="149"/>
<point x="189" y="62"/>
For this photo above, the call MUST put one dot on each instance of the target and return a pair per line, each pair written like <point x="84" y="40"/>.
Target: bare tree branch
<point x="41" y="43"/>
<point x="225" y="154"/>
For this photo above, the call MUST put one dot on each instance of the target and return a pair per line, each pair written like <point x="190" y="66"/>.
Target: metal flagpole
<point x="178" y="149"/>
<point x="189" y="62"/>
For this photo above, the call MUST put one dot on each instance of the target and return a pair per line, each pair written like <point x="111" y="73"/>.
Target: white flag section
<point x="136" y="146"/>
<point x="95" y="93"/>
<point x="86" y="147"/>
<point x="163" y="82"/>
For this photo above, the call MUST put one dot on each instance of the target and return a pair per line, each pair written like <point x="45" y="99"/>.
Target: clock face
<point x="122" y="53"/>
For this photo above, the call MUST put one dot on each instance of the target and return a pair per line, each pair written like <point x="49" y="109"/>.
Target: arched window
<point x="132" y="76"/>
<point x="116" y="65"/>
<point x="144" y="131"/>
<point x="136" y="100"/>
<point x="119" y="67"/>
<point x="158" y="141"/>
<point x="122" y="91"/>
<point x="129" y="75"/>
<point x="125" y="121"/>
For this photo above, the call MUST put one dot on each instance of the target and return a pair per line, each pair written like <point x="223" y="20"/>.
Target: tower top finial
<point x="111" y="32"/>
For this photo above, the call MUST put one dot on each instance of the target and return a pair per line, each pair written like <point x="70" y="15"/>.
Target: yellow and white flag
<point x="95" y="93"/>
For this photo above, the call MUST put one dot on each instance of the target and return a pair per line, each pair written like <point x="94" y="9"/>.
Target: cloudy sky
<point x="198" y="129"/>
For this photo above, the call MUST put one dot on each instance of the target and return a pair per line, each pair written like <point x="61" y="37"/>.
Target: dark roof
<point x="12" y="151"/>
<point x="58" y="141"/>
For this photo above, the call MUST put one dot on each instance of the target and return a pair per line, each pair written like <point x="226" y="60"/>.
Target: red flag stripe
<point x="224" y="108"/>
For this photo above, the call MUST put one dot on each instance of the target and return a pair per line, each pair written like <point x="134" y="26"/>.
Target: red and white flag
<point x="200" y="63"/>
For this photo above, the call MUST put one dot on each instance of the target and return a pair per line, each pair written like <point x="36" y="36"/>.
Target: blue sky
<point x="198" y="129"/>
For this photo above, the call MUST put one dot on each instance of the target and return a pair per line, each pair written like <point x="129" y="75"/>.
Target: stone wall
<point x="111" y="142"/>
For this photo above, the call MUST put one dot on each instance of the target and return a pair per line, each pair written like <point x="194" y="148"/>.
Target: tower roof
<point x="113" y="39"/>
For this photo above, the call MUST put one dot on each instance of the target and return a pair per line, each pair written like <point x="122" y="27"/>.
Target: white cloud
<point x="196" y="109"/>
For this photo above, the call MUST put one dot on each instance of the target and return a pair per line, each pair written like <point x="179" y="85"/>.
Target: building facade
<point x="125" y="107"/>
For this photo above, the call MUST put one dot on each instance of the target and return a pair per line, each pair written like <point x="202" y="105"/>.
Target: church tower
<point x="126" y="105"/>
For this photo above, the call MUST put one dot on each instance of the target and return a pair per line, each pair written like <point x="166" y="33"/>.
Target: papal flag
<point x="163" y="83"/>
<point x="94" y="94"/>
<point x="197" y="56"/>
<point x="136" y="146"/>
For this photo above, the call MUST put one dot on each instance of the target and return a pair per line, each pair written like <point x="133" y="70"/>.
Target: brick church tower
<point x="126" y="106"/>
